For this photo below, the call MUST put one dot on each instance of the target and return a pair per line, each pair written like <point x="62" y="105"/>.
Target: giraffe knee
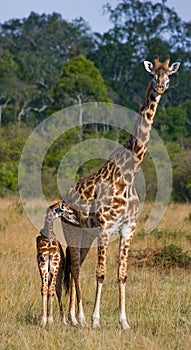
<point x="122" y="278"/>
<point x="122" y="274"/>
<point x="51" y="291"/>
<point x="100" y="273"/>
<point x="44" y="290"/>
<point x="100" y="278"/>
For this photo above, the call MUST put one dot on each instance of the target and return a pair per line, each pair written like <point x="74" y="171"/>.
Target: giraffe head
<point x="64" y="210"/>
<point x="161" y="72"/>
<point x="54" y="208"/>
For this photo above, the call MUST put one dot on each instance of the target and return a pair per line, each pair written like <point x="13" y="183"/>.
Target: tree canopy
<point x="48" y="63"/>
<point x="80" y="81"/>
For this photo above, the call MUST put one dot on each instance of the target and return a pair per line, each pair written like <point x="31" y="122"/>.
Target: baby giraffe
<point x="51" y="260"/>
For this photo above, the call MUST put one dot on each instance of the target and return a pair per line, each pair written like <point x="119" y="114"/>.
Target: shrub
<point x="169" y="256"/>
<point x="173" y="256"/>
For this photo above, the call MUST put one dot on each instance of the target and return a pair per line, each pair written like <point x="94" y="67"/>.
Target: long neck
<point x="139" y="138"/>
<point x="47" y="230"/>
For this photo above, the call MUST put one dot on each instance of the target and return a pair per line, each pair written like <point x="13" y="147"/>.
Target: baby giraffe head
<point x="161" y="72"/>
<point x="64" y="210"/>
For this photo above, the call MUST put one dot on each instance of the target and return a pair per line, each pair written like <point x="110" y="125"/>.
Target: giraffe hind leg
<point x="75" y="289"/>
<point x="44" y="305"/>
<point x="86" y="243"/>
<point x="71" y="314"/>
<point x="81" y="253"/>
<point x="75" y="272"/>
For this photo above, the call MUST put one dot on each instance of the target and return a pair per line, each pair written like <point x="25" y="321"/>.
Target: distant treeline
<point x="48" y="63"/>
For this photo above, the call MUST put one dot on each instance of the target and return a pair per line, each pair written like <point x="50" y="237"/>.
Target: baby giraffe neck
<point x="47" y="230"/>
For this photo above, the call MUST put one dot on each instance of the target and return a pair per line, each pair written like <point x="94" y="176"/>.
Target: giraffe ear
<point x="173" y="68"/>
<point x="148" y="66"/>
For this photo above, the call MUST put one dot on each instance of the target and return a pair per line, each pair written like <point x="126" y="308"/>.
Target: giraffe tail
<point x="67" y="271"/>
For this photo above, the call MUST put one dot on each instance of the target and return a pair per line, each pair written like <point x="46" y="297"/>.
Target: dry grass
<point x="158" y="299"/>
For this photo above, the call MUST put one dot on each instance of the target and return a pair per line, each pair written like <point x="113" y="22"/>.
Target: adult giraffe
<point x="108" y="200"/>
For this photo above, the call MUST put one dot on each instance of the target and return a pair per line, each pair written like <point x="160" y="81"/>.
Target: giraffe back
<point x="50" y="256"/>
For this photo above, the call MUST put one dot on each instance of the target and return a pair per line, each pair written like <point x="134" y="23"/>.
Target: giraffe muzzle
<point x="160" y="90"/>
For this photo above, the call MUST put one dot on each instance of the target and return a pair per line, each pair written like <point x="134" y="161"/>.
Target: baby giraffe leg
<point x="50" y="302"/>
<point x="54" y="268"/>
<point x="51" y="293"/>
<point x="44" y="304"/>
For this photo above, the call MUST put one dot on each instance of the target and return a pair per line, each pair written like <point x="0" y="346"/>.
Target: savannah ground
<point x="158" y="296"/>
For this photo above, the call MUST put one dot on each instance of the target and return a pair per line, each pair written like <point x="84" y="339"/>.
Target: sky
<point x="90" y="10"/>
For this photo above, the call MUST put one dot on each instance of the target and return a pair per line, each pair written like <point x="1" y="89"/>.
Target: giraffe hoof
<point x="65" y="323"/>
<point x="124" y="325"/>
<point x="50" y="320"/>
<point x="72" y="320"/>
<point x="74" y="324"/>
<point x="83" y="323"/>
<point x="43" y="322"/>
<point x="95" y="323"/>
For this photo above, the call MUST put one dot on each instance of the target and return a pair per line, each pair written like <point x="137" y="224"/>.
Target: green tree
<point x="8" y="79"/>
<point x="181" y="164"/>
<point x="39" y="46"/>
<point x="171" y="122"/>
<point x="12" y="140"/>
<point x="16" y="96"/>
<point x="139" y="31"/>
<point x="80" y="82"/>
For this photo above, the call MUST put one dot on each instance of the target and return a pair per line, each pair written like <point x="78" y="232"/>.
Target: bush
<point x="173" y="256"/>
<point x="169" y="256"/>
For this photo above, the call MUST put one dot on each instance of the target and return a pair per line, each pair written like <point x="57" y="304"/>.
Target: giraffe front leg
<point x="125" y="241"/>
<point x="100" y="274"/>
